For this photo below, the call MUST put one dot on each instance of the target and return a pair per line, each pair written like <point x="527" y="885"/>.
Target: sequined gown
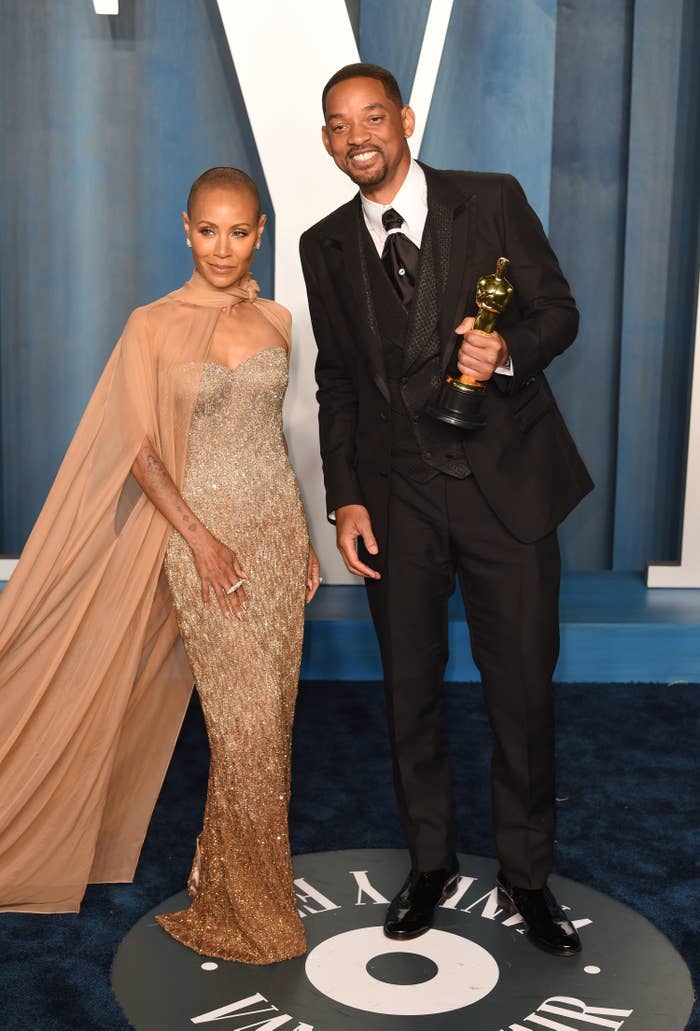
<point x="238" y="481"/>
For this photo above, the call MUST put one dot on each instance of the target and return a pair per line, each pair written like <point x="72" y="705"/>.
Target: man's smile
<point x="363" y="157"/>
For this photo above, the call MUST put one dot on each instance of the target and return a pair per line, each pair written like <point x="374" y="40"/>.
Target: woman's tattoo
<point x="161" y="483"/>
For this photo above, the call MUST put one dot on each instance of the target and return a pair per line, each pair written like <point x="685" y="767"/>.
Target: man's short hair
<point x="222" y="175"/>
<point x="364" y="70"/>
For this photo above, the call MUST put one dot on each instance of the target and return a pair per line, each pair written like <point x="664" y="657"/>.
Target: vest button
<point x="402" y="271"/>
<point x="404" y="381"/>
<point x="428" y="454"/>
<point x="415" y="418"/>
<point x="382" y="416"/>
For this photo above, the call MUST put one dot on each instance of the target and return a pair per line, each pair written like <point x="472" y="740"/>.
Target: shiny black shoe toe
<point x="411" y="912"/>
<point x="547" y="926"/>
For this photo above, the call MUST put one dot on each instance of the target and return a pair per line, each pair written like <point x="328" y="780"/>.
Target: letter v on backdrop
<point x="282" y="57"/>
<point x="281" y="74"/>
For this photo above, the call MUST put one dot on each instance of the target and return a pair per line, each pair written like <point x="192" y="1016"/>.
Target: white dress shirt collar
<point x="411" y="202"/>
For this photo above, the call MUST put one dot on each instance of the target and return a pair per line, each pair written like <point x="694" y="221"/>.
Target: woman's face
<point x="223" y="228"/>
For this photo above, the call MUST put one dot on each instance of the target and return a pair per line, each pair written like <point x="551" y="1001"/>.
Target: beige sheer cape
<point x="94" y="681"/>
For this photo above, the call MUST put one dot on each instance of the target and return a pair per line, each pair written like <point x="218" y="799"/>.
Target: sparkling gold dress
<point x="238" y="481"/>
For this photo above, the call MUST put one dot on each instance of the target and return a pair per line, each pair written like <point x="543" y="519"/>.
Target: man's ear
<point x="325" y="139"/>
<point x="408" y="120"/>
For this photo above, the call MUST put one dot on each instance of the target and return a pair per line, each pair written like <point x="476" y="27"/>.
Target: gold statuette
<point x="461" y="398"/>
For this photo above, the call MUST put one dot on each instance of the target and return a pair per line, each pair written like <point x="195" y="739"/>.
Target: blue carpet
<point x="627" y="776"/>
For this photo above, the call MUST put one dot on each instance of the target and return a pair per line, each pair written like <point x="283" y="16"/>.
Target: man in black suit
<point x="418" y="503"/>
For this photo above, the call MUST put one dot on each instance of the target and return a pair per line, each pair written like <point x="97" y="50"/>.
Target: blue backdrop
<point x="591" y="103"/>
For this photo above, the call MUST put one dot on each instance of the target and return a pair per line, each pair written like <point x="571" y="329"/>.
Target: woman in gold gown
<point x="219" y="512"/>
<point x="240" y="517"/>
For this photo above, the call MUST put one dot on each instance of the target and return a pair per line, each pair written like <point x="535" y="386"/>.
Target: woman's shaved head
<point x="219" y="177"/>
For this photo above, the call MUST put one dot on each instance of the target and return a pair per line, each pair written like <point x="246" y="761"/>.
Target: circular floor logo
<point x="446" y="988"/>
<point x="474" y="970"/>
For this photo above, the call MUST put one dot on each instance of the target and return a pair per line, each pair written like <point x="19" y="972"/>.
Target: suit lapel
<point x="421" y="339"/>
<point x="441" y="272"/>
<point x="354" y="274"/>
<point x="450" y="213"/>
<point x="457" y="289"/>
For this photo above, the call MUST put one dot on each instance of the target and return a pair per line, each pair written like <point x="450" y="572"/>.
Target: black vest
<point x="421" y="447"/>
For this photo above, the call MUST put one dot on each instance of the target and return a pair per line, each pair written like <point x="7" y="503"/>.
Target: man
<point x="419" y="503"/>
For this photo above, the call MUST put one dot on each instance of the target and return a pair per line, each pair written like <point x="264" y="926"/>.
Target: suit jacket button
<point x="428" y="454"/>
<point x="382" y="416"/>
<point x="415" y="418"/>
<point x="404" y="381"/>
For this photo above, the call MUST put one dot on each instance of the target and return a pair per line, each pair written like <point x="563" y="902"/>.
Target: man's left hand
<point x="480" y="354"/>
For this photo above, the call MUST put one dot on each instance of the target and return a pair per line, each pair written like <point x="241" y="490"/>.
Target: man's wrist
<point x="505" y="364"/>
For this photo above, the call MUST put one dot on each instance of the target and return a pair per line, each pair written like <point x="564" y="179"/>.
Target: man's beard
<point x="362" y="178"/>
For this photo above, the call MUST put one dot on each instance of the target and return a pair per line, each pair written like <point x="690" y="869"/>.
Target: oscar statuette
<point x="460" y="400"/>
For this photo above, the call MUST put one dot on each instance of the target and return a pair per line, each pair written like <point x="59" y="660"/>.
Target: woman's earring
<point x="257" y="245"/>
<point x="188" y="242"/>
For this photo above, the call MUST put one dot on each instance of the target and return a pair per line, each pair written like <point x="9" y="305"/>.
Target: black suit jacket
<point x="524" y="461"/>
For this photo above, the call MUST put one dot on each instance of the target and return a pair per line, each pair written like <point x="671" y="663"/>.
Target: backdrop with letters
<point x="107" y="120"/>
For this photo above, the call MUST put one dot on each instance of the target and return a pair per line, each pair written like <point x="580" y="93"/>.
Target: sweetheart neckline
<point x="263" y="350"/>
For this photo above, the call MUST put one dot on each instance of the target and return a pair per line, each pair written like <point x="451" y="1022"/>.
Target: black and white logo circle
<point x="475" y="971"/>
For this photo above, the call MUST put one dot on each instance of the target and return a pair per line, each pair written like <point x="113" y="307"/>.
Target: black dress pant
<point x="438" y="531"/>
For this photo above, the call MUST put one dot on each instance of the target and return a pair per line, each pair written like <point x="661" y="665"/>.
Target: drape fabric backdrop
<point x="106" y="121"/>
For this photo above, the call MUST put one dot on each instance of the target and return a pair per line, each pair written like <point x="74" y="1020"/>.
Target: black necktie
<point x="399" y="257"/>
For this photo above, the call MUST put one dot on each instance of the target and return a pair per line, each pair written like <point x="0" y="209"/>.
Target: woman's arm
<point x="313" y="574"/>
<point x="216" y="564"/>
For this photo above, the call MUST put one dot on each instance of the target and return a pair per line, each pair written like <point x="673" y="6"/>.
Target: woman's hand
<point x="313" y="575"/>
<point x="216" y="564"/>
<point x="219" y="570"/>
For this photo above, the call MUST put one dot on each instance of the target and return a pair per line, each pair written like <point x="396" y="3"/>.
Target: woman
<point x="175" y="509"/>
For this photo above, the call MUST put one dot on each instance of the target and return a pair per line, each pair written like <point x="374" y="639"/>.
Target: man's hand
<point x="480" y="353"/>
<point x="351" y="522"/>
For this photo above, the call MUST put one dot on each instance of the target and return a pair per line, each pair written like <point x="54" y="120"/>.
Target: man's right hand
<point x="351" y="522"/>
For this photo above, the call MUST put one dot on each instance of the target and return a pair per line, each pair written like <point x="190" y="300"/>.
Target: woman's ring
<point x="234" y="587"/>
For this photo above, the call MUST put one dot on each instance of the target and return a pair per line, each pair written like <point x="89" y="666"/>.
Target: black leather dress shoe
<point x="411" y="912"/>
<point x="547" y="927"/>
